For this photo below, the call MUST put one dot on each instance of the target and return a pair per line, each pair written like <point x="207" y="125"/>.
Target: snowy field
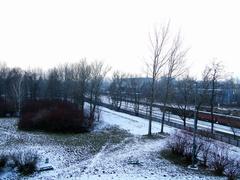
<point x="116" y="149"/>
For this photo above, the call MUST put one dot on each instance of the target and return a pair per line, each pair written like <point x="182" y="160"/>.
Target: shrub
<point x="219" y="159"/>
<point x="232" y="171"/>
<point x="3" y="160"/>
<point x="205" y="151"/>
<point x="207" y="144"/>
<point x="26" y="162"/>
<point x="177" y="143"/>
<point x="52" y="116"/>
<point x="6" y="107"/>
<point x="181" y="144"/>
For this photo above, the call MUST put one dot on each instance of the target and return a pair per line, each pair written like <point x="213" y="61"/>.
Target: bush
<point x="6" y="107"/>
<point x="232" y="171"/>
<point x="3" y="160"/>
<point x="26" y="162"/>
<point x="207" y="144"/>
<point x="181" y="144"/>
<point x="214" y="155"/>
<point x="52" y="116"/>
<point x="219" y="159"/>
<point x="205" y="152"/>
<point x="177" y="143"/>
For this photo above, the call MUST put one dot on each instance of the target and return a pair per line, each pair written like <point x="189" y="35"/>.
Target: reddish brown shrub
<point x="6" y="108"/>
<point x="52" y="116"/>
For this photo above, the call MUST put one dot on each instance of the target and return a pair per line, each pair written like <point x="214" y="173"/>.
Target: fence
<point x="218" y="136"/>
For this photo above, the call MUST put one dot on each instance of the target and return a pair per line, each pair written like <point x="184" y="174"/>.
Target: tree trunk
<point x="212" y="105"/>
<point x="165" y="103"/>
<point x="150" y="108"/>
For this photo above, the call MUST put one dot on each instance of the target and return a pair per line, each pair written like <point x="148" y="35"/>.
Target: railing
<point x="218" y="136"/>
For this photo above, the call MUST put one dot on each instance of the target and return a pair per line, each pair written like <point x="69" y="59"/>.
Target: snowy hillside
<point x="116" y="155"/>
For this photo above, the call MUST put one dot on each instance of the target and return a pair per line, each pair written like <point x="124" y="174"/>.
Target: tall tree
<point x="175" y="67"/>
<point x="158" y="58"/>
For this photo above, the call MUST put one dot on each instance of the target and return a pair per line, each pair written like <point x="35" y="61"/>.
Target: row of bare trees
<point x="184" y="93"/>
<point x="169" y="83"/>
<point x="72" y="82"/>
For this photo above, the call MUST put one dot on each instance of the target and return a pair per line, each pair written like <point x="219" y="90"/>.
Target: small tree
<point x="117" y="88"/>
<point x="15" y="86"/>
<point x="216" y="70"/>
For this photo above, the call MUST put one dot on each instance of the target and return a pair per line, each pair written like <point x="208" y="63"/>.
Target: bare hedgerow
<point x="232" y="171"/>
<point x="219" y="158"/>
<point x="26" y="161"/>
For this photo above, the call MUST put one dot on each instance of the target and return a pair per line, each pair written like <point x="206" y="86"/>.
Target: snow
<point x="135" y="125"/>
<point x="190" y="122"/>
<point x="112" y="161"/>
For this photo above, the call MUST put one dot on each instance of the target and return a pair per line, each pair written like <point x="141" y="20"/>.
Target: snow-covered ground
<point x="134" y="157"/>
<point x="176" y="119"/>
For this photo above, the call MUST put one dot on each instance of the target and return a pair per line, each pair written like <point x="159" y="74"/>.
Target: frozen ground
<point x="106" y="153"/>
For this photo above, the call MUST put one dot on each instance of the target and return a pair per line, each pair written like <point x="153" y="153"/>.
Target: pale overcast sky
<point x="44" y="33"/>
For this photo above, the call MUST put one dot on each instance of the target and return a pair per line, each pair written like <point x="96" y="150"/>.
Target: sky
<point x="50" y="32"/>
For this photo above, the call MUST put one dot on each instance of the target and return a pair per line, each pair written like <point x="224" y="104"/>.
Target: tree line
<point x="67" y="82"/>
<point x="166" y="81"/>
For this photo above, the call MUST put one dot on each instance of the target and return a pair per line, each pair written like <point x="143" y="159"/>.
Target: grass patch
<point x="94" y="140"/>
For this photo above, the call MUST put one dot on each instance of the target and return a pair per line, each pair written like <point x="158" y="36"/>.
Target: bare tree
<point x="81" y="76"/>
<point x="117" y="89"/>
<point x="216" y="69"/>
<point x="175" y="67"/>
<point x="66" y="78"/>
<point x="184" y="97"/>
<point x="3" y="76"/>
<point x="98" y="73"/>
<point x="159" y="57"/>
<point x="15" y="87"/>
<point x="133" y="87"/>
<point x="54" y="84"/>
<point x="201" y="90"/>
